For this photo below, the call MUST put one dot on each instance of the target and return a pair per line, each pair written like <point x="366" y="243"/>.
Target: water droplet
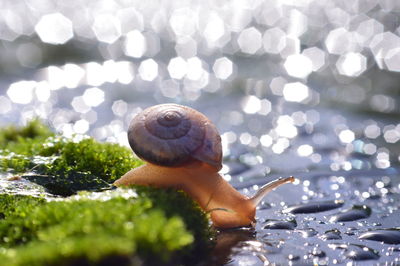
<point x="308" y="232"/>
<point x="277" y="224"/>
<point x="293" y="257"/>
<point x="393" y="249"/>
<point x="331" y="235"/>
<point x="338" y="246"/>
<point x="313" y="207"/>
<point x="318" y="253"/>
<point x="359" y="252"/>
<point x="356" y="252"/>
<point x="388" y="236"/>
<point x="355" y="213"/>
<point x="264" y="205"/>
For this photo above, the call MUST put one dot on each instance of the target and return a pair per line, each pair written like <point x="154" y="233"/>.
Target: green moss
<point x="106" y="160"/>
<point x="11" y="204"/>
<point x="14" y="163"/>
<point x="178" y="203"/>
<point x="156" y="226"/>
<point x="87" y="250"/>
<point x="24" y="140"/>
<point x="63" y="166"/>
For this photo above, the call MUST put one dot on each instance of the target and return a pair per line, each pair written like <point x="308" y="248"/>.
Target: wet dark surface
<point x="343" y="208"/>
<point x="336" y="227"/>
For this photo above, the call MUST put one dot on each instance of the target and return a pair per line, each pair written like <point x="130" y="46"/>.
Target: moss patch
<point x="24" y="140"/>
<point x="113" y="227"/>
<point x="109" y="226"/>
<point x="174" y="203"/>
<point x="63" y="166"/>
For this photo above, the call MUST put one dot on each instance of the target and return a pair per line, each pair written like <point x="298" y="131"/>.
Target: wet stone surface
<point x="307" y="223"/>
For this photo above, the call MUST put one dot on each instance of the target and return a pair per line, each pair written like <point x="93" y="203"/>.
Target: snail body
<point x="183" y="150"/>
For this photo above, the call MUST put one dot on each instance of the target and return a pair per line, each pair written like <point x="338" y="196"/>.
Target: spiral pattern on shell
<point x="172" y="134"/>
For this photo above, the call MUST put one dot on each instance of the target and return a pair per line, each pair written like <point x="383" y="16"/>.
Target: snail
<point x="183" y="150"/>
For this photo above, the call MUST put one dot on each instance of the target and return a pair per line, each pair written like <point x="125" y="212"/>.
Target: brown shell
<point x="172" y="134"/>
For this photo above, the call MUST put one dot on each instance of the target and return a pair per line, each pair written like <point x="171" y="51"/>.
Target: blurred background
<point x="312" y="82"/>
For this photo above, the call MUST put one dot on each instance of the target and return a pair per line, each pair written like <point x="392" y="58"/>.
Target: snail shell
<point x="172" y="135"/>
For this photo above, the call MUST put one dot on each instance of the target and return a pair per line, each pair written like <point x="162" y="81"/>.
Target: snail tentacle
<point x="264" y="190"/>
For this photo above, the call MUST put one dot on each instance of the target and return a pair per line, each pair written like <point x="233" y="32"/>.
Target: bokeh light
<point x="251" y="104"/>
<point x="223" y="68"/>
<point x="298" y="66"/>
<point x="135" y="44"/>
<point x="183" y="21"/>
<point x="21" y="92"/>
<point x="274" y="40"/>
<point x="93" y="96"/>
<point x="249" y="40"/>
<point x="54" y="28"/>
<point x="295" y="92"/>
<point x="317" y="57"/>
<point x="177" y="68"/>
<point x="148" y="70"/>
<point x="107" y="28"/>
<point x="351" y="64"/>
